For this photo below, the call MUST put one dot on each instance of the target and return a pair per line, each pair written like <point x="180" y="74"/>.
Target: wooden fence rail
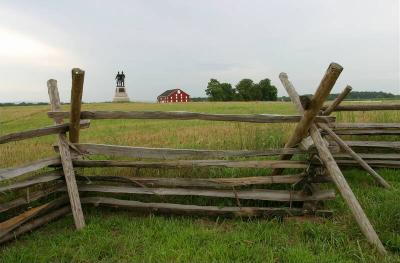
<point x="31" y="197"/>
<point x="202" y="210"/>
<point x="367" y="131"/>
<point x="10" y="224"/>
<point x="216" y="183"/>
<point x="54" y="129"/>
<point x="44" y="178"/>
<point x="8" y="173"/>
<point x="372" y="163"/>
<point x="366" y="107"/>
<point x="37" y="222"/>
<point x="373" y="156"/>
<point x="171" y="153"/>
<point x="192" y="163"/>
<point x="182" y="115"/>
<point x="383" y="145"/>
<point x="254" y="194"/>
<point x="353" y="126"/>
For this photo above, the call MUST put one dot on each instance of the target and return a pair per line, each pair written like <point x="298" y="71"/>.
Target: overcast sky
<point x="182" y="44"/>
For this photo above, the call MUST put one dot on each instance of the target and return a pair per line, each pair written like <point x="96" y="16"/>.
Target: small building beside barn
<point x="173" y="95"/>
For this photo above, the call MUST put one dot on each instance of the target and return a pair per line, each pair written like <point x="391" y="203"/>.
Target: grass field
<point x="122" y="236"/>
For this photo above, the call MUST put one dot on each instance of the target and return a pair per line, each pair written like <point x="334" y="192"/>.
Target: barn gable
<point x="173" y="95"/>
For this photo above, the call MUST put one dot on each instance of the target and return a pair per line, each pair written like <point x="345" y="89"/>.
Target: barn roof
<point x="167" y="92"/>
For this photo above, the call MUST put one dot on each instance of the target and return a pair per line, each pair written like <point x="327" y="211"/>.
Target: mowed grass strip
<point x="123" y="236"/>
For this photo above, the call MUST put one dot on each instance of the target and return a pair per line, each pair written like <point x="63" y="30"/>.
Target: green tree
<point x="269" y="92"/>
<point x="245" y="89"/>
<point x="227" y="91"/>
<point x="217" y="91"/>
<point x="213" y="90"/>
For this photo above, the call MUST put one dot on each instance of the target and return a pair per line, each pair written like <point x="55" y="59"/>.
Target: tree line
<point x="245" y="90"/>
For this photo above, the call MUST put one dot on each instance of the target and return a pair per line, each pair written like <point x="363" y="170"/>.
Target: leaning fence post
<point x="337" y="101"/>
<point x="355" y="156"/>
<point x="336" y="175"/>
<point x="66" y="159"/>
<point x="309" y="114"/>
<point x="78" y="77"/>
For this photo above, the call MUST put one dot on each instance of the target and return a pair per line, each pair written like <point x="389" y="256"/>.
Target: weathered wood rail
<point x="181" y="115"/>
<point x="254" y="194"/>
<point x="316" y="138"/>
<point x="365" y="107"/>
<point x="172" y="153"/>
<point x="192" y="163"/>
<point x="34" y="133"/>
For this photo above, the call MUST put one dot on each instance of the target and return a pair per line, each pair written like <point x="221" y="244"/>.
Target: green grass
<point x="122" y="236"/>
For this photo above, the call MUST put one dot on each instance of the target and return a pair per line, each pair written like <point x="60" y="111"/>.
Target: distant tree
<point x="228" y="91"/>
<point x="268" y="91"/>
<point x="245" y="89"/>
<point x="217" y="91"/>
<point x="213" y="90"/>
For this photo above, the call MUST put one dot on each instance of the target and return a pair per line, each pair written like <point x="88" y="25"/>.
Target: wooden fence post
<point x="78" y="77"/>
<point x="66" y="160"/>
<point x="301" y="130"/>
<point x="337" y="101"/>
<point x="343" y="145"/>
<point x="337" y="176"/>
<point x="355" y="156"/>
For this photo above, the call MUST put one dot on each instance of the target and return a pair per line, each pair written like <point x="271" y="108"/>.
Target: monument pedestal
<point x="120" y="95"/>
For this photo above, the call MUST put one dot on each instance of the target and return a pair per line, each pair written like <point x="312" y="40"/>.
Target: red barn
<point x="173" y="95"/>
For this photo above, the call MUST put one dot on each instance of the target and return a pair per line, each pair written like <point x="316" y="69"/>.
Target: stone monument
<point x="120" y="91"/>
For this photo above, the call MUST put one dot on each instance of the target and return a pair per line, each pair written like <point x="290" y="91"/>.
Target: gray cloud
<point x="167" y="44"/>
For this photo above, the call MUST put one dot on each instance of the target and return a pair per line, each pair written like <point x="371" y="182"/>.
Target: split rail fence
<point x="58" y="189"/>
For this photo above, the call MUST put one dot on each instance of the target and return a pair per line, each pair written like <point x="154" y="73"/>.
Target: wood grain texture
<point x="35" y="223"/>
<point x="54" y="129"/>
<point x="44" y="178"/>
<point x="337" y="101"/>
<point x="254" y="194"/>
<point x="33" y="196"/>
<point x="182" y="115"/>
<point x="383" y="145"/>
<point x="346" y="192"/>
<point x="10" y="224"/>
<point x="382" y="182"/>
<point x="358" y="125"/>
<point x="373" y="163"/>
<point x="192" y="163"/>
<point x="66" y="160"/>
<point x="168" y="208"/>
<point x="170" y="153"/>
<point x="339" y="180"/>
<point x="367" y="131"/>
<point x="314" y="107"/>
<point x="322" y="92"/>
<point x="373" y="156"/>
<point x="366" y="107"/>
<point x="8" y="173"/>
<point x="216" y="183"/>
<point x="78" y="77"/>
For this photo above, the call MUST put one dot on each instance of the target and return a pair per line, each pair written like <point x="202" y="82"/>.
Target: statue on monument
<point x="120" y="79"/>
<point x="120" y="91"/>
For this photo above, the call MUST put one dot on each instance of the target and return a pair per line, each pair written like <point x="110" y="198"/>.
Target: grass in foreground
<point x="121" y="236"/>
